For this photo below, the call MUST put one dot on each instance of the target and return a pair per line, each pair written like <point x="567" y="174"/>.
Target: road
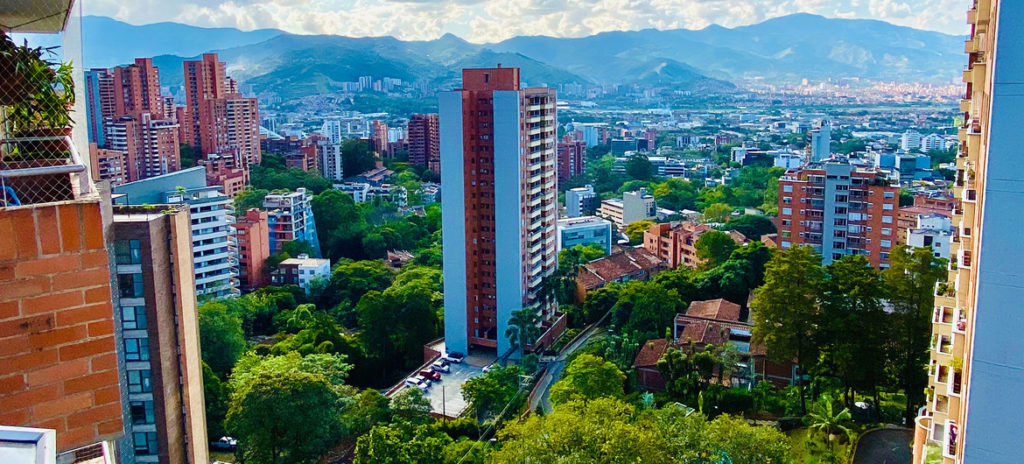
<point x="886" y="446"/>
<point x="556" y="366"/>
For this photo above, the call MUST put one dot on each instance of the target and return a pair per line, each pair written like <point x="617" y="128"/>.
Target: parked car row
<point x="423" y="378"/>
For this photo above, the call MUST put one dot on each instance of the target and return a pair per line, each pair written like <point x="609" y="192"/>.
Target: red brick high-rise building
<point x="223" y="121"/>
<point x="499" y="208"/>
<point x="424" y="142"/>
<point x="839" y="209"/>
<point x="572" y="158"/>
<point x="252" y="233"/>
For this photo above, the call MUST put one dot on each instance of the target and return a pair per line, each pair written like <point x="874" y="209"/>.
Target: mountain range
<point x="779" y="50"/>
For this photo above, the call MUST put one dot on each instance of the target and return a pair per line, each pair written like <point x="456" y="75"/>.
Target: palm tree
<point x="523" y="327"/>
<point x="825" y="419"/>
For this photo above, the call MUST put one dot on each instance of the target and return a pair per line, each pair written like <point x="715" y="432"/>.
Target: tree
<point x="785" y="309"/>
<point x="645" y="310"/>
<point x="910" y="283"/>
<point x="751" y="226"/>
<point x="215" y="395"/>
<point x="716" y="212"/>
<point x="714" y="248"/>
<point x="588" y="377"/>
<point x="854" y="332"/>
<point x="340" y="225"/>
<point x="635" y="231"/>
<point x="398" y="445"/>
<point x="676" y="194"/>
<point x="350" y="280"/>
<point x="906" y="198"/>
<point x="248" y="199"/>
<point x="828" y="420"/>
<point x="748" y="444"/>
<point x="356" y="157"/>
<point x="266" y="418"/>
<point x="221" y="336"/>
<point x="639" y="167"/>
<point x="491" y="392"/>
<point x="523" y="327"/>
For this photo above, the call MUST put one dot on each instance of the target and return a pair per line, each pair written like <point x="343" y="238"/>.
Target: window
<point x="787" y="211"/>
<point x="130" y="285"/>
<point x="889" y="195"/>
<point x="133" y="317"/>
<point x="787" y="200"/>
<point x="886" y="243"/>
<point x="145" y="443"/>
<point x="887" y="206"/>
<point x="139" y="381"/>
<point x="142" y="412"/>
<point x="786" y="222"/>
<point x="136" y="349"/>
<point x="127" y="252"/>
<point x="787" y="188"/>
<point x="886" y="231"/>
<point x="886" y="219"/>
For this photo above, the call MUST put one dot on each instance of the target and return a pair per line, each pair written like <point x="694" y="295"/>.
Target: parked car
<point x="421" y="383"/>
<point x="224" y="444"/>
<point x="431" y="374"/>
<point x="454" y="357"/>
<point x="439" y="366"/>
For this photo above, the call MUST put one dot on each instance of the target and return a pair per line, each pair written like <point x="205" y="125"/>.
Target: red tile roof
<point x="615" y="267"/>
<point x="719" y="309"/>
<point x="651" y="352"/>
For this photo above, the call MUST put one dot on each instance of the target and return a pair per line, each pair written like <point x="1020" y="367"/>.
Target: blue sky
<point x="494" y="20"/>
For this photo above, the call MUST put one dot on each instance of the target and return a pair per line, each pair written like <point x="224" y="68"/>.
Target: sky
<point x="484" y="21"/>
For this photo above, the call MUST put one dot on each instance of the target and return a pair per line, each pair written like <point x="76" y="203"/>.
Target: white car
<point x="423" y="385"/>
<point x="453" y="357"/>
<point x="439" y="366"/>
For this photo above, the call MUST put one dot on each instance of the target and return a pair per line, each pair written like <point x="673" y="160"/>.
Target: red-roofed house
<point x="632" y="264"/>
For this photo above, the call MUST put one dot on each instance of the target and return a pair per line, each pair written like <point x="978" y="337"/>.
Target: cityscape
<point x="250" y="232"/>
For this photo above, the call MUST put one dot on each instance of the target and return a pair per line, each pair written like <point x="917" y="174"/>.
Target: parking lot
<point x="446" y="395"/>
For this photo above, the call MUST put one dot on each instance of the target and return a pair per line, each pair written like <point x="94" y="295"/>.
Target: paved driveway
<point x="886" y="446"/>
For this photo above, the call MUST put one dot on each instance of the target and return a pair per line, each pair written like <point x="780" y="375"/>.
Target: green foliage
<point x="356" y="157"/>
<point x="267" y="178"/>
<point x="676" y="194"/>
<point x="906" y="198"/>
<point x="265" y="417"/>
<point x="714" y="248"/>
<point x="339" y="225"/>
<point x="490" y="393"/>
<point x="350" y="280"/>
<point x="523" y="327"/>
<point x="829" y="420"/>
<point x="215" y="396"/>
<point x="248" y="199"/>
<point x="221" y="336"/>
<point x="716" y="212"/>
<point x="645" y="309"/>
<point x="608" y="431"/>
<point x="639" y="167"/>
<point x="331" y="368"/>
<point x="751" y="226"/>
<point x="588" y="377"/>
<point x="635" y="231"/>
<point x="397" y="322"/>
<point x="402" y="445"/>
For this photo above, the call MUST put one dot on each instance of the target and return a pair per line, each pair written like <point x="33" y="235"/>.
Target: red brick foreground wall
<point x="58" y="365"/>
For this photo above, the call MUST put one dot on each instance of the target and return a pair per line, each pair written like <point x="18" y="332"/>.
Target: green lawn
<point x="222" y="456"/>
<point x="809" y="448"/>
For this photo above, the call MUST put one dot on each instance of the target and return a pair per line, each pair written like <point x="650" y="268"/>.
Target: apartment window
<point x="786" y="222"/>
<point x="133" y="317"/>
<point x="130" y="285"/>
<point x="145" y="443"/>
<point x="887" y="206"/>
<point x="889" y="195"/>
<point x="787" y="188"/>
<point x="127" y="252"/>
<point x="142" y="412"/>
<point x="886" y="243"/>
<point x="886" y="219"/>
<point x="136" y="349"/>
<point x="787" y="200"/>
<point x="786" y="244"/>
<point x="139" y="381"/>
<point x="886" y="231"/>
<point x="787" y="211"/>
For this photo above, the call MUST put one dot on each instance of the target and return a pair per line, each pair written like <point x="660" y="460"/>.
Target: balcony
<point x="46" y="169"/>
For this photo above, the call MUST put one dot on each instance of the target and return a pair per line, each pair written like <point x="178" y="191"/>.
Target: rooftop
<point x="581" y="221"/>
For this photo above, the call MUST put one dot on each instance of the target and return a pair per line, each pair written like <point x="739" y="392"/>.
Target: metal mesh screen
<point x="38" y="160"/>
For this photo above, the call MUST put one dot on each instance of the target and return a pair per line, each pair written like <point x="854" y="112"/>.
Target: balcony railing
<point x="36" y="170"/>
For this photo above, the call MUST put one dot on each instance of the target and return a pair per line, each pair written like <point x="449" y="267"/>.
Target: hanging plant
<point x="38" y="93"/>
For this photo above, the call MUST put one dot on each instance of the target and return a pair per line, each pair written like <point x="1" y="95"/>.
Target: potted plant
<point x="38" y="97"/>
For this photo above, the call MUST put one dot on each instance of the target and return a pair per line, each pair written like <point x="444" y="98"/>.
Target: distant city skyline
<point x="483" y="21"/>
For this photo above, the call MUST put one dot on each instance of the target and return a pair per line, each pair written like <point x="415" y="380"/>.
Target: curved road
<point x="555" y="367"/>
<point x="884" y="446"/>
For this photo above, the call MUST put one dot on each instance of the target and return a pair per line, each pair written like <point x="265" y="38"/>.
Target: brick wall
<point x="58" y="365"/>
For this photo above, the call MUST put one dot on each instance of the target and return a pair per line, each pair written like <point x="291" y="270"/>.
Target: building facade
<point x="675" y="244"/>
<point x="586" y="230"/>
<point x="580" y="201"/>
<point x="634" y="206"/>
<point x="572" y="158"/>
<point x="839" y="210"/>
<point x="252" y="235"/>
<point x="301" y="271"/>
<point x="330" y="161"/>
<point x="425" y="141"/>
<point x="821" y="142"/>
<point x="290" y="218"/>
<point x="498" y="148"/>
<point x="975" y="372"/>
<point x="159" y="331"/>
<point x="223" y="121"/>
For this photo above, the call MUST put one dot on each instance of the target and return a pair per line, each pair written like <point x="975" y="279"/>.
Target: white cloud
<point x="495" y="20"/>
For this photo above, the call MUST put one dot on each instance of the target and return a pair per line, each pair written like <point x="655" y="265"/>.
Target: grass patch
<point x="222" y="456"/>
<point x="809" y="447"/>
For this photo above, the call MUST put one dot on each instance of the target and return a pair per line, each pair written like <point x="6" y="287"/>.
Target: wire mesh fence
<point x="38" y="160"/>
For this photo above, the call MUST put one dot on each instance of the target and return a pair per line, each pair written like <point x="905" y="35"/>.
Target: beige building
<point x="633" y="207"/>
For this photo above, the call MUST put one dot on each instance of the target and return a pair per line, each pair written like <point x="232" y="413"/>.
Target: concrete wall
<point x="509" y="223"/>
<point x="453" y="225"/>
